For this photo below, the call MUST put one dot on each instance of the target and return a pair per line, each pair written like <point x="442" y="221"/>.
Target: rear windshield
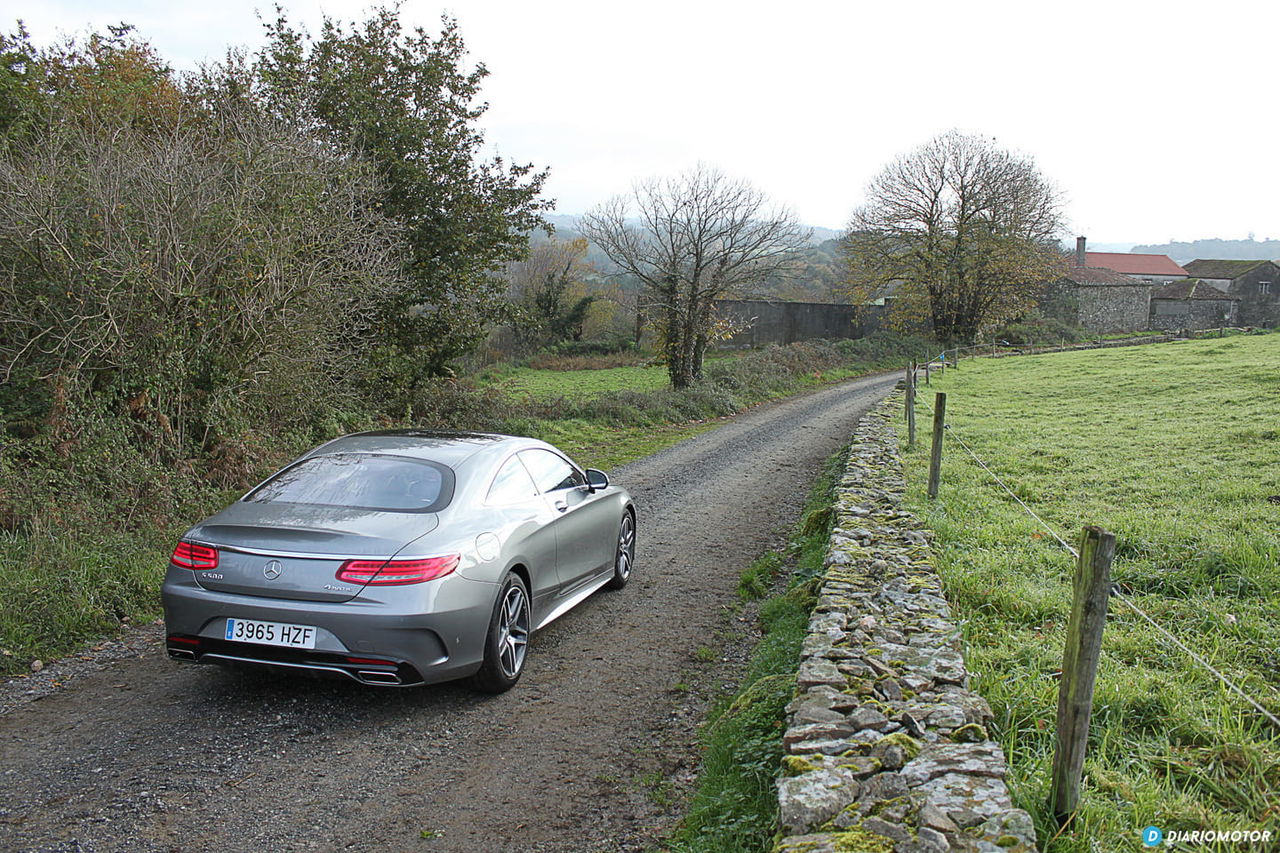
<point x="360" y="481"/>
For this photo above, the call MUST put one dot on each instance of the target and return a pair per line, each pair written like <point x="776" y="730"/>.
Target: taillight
<point x="391" y="572"/>
<point x="188" y="555"/>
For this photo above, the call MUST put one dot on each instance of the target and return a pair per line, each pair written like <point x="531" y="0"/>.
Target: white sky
<point x="1158" y="120"/>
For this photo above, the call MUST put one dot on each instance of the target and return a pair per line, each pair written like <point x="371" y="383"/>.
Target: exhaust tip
<point x="375" y="677"/>
<point x="182" y="654"/>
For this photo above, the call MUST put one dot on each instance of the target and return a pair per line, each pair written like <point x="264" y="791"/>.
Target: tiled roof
<point x="1131" y="264"/>
<point x="1098" y="275"/>
<point x="1220" y="269"/>
<point x="1191" y="288"/>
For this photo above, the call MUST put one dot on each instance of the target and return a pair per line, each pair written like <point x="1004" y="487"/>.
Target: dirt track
<point x="137" y="753"/>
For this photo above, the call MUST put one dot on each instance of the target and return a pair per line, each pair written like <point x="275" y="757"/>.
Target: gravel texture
<point x="121" y="749"/>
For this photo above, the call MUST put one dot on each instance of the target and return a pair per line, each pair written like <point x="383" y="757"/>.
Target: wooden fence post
<point x="1091" y="589"/>
<point x="906" y="404"/>
<point x="935" y="453"/>
<point x="911" y="408"/>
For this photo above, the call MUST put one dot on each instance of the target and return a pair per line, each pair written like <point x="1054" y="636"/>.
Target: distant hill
<point x="566" y="225"/>
<point x="1226" y="250"/>
<point x="817" y="278"/>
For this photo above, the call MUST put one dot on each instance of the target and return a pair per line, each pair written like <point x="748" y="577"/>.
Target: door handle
<point x="561" y="506"/>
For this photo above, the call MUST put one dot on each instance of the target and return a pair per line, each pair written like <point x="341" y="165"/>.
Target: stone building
<point x="1192" y="304"/>
<point x="1099" y="300"/>
<point x="1256" y="284"/>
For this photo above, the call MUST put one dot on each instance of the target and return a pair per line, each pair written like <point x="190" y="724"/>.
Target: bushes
<point x="1038" y="332"/>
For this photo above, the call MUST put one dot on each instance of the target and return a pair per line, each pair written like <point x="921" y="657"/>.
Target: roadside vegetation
<point x="1176" y="449"/>
<point x="735" y="805"/>
<point x="87" y="522"/>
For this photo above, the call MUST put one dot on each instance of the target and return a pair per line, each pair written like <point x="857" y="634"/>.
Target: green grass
<point x="1176" y="449"/>
<point x="597" y="445"/>
<point x="578" y="384"/>
<point x="735" y="806"/>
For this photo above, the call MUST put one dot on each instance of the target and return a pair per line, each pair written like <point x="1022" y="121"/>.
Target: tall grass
<point x="1176" y="449"/>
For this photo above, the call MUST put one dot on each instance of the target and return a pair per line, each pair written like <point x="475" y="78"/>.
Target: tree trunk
<point x="673" y="350"/>
<point x="699" y="351"/>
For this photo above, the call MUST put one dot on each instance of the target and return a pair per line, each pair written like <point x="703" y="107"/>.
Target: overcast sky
<point x="1157" y="120"/>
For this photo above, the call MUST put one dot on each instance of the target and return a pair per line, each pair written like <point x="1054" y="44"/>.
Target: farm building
<point x="1156" y="269"/>
<point x="1192" y="304"/>
<point x="1099" y="300"/>
<point x="1256" y="284"/>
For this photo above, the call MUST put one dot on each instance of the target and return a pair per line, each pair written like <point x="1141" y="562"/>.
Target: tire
<point x="506" y="644"/>
<point x="624" y="557"/>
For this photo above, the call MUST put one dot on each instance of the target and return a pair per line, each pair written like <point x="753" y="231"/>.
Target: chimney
<point x="1080" y="251"/>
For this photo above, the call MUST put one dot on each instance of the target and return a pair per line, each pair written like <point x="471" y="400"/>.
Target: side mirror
<point x="596" y="480"/>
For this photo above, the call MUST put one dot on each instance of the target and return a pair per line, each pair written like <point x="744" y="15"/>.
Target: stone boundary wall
<point x="886" y="748"/>
<point x="772" y="321"/>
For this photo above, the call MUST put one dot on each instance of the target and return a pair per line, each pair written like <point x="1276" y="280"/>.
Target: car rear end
<point x="288" y="578"/>
<point x="386" y="634"/>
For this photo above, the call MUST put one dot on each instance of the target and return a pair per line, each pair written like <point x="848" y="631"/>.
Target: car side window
<point x="511" y="485"/>
<point x="551" y="472"/>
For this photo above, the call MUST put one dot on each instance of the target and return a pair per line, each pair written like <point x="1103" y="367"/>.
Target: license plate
<point x="271" y="633"/>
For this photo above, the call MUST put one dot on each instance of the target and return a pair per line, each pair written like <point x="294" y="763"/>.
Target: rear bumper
<point x="434" y="635"/>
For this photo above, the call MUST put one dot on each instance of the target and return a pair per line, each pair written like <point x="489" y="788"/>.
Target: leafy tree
<point x="404" y="101"/>
<point x="194" y="257"/>
<point x="20" y="78"/>
<point x="698" y="237"/>
<point x="960" y="232"/>
<point x="547" y="287"/>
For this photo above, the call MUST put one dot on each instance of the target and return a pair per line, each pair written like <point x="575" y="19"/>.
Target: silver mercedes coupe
<point x="399" y="557"/>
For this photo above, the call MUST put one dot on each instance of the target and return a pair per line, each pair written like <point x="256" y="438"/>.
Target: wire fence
<point x="1116" y="591"/>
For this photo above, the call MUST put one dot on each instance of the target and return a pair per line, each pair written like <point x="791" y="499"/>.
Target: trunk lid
<point x="294" y="551"/>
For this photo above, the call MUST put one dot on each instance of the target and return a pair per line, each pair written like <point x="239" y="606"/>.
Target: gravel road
<point x="121" y="749"/>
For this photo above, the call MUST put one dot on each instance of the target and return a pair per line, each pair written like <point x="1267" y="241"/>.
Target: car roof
<point x="444" y="447"/>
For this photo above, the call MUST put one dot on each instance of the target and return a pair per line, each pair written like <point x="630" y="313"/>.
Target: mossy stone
<point x="909" y="745"/>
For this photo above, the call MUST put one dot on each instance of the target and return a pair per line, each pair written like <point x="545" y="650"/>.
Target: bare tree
<point x="962" y="232"/>
<point x="696" y="237"/>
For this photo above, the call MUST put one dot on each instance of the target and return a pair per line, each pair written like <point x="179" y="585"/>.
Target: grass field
<point x="580" y="383"/>
<point x="1176" y="449"/>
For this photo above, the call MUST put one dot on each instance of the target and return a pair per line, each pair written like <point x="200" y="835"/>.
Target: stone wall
<point x="886" y="747"/>
<point x="1176" y="314"/>
<point x="776" y="322"/>
<point x="1105" y="309"/>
